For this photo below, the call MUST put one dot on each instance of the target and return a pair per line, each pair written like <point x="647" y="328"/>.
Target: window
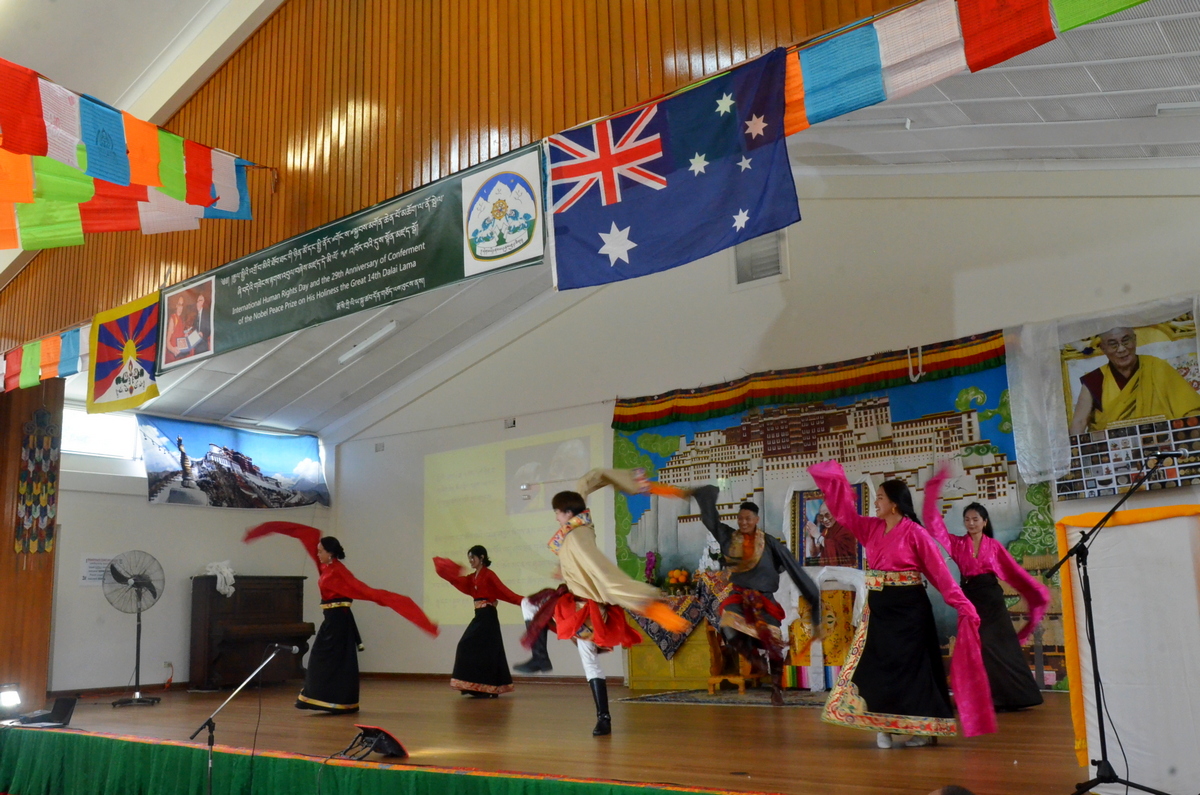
<point x="109" y="435"/>
<point x="760" y="258"/>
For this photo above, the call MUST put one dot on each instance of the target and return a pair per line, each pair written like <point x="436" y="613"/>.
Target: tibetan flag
<point x="16" y="177"/>
<point x="238" y="196"/>
<point x="68" y="357"/>
<point x="114" y="208"/>
<point x="12" y="369"/>
<point x="673" y="181"/>
<point x="59" y="182"/>
<point x="60" y="110"/>
<point x="141" y="138"/>
<point x="104" y="136"/>
<point x="124" y="342"/>
<point x="8" y="227"/>
<point x="1073" y="13"/>
<point x="49" y="224"/>
<point x="22" y="128"/>
<point x="51" y="351"/>
<point x="164" y="214"/>
<point x="996" y="30"/>
<point x="795" y="118"/>
<point x="842" y="74"/>
<point x="919" y="46"/>
<point x="197" y="160"/>
<point x="170" y="166"/>
<point x="31" y="364"/>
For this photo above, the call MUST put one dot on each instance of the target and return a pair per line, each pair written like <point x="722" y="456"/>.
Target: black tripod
<point x="1105" y="774"/>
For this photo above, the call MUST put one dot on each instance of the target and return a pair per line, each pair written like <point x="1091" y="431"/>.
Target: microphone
<point x="282" y="647"/>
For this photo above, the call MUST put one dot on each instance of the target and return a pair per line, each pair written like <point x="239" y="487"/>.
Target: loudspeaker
<point x="373" y="739"/>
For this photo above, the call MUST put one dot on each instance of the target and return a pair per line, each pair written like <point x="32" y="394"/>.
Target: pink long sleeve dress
<point x="1009" y="679"/>
<point x="894" y="680"/>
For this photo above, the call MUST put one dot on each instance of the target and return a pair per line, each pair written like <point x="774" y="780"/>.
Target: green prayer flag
<point x="49" y="224"/>
<point x="1073" y="13"/>
<point x="31" y="364"/>
<point x="170" y="166"/>
<point x="59" y="182"/>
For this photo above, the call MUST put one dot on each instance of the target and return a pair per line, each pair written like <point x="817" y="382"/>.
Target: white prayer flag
<point x="164" y="214"/>
<point x="224" y="175"/>
<point x="60" y="110"/>
<point x="920" y="46"/>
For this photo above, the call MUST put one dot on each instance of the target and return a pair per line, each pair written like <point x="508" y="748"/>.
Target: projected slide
<point x="499" y="495"/>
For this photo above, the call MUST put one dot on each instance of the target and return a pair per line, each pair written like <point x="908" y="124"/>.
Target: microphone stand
<point x="1105" y="773"/>
<point x="212" y="726"/>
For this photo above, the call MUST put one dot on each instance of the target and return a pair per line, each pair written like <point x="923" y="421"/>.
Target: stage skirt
<point x="331" y="682"/>
<point x="894" y="680"/>
<point x="1013" y="686"/>
<point x="479" y="663"/>
<point x="583" y="619"/>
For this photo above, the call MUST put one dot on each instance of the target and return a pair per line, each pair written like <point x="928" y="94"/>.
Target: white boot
<point x="883" y="740"/>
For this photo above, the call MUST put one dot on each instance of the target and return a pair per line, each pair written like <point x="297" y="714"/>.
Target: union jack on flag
<point x="678" y="180"/>
<point x="607" y="160"/>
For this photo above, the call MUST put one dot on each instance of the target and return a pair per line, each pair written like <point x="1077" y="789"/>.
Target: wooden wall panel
<point x="26" y="581"/>
<point x="356" y="101"/>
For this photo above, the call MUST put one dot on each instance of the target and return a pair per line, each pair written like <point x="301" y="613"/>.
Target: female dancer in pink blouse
<point x="983" y="561"/>
<point x="893" y="681"/>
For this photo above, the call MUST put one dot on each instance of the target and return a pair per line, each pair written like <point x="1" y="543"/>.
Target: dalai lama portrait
<point x="1130" y="386"/>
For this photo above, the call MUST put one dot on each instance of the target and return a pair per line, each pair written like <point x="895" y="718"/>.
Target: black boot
<point x="540" y="662"/>
<point x="603" y="719"/>
<point x="777" y="683"/>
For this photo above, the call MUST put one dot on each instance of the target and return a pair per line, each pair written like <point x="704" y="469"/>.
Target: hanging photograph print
<point x="197" y="463"/>
<point x="501" y="206"/>
<point x="124" y="346"/>
<point x="188" y="330"/>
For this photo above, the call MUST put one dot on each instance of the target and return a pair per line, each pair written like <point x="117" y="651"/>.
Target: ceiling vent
<point x="760" y="258"/>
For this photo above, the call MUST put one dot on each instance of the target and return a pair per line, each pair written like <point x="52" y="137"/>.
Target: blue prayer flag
<point x="103" y="133"/>
<point x="673" y="181"/>
<point x="242" y="213"/>
<point x="842" y="74"/>
<point x="68" y="358"/>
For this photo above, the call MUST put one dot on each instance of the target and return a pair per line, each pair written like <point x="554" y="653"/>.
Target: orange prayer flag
<point x="51" y="352"/>
<point x="8" y="226"/>
<point x="16" y="177"/>
<point x="141" y="139"/>
<point x="795" y="118"/>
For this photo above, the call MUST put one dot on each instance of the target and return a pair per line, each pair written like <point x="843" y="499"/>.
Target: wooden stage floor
<point x="546" y="728"/>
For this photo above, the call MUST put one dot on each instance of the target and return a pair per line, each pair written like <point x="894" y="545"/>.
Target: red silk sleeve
<point x="451" y="572"/>
<point x="931" y="512"/>
<point x="341" y="580"/>
<point x="1036" y="595"/>
<point x="310" y="537"/>
<point x="490" y="587"/>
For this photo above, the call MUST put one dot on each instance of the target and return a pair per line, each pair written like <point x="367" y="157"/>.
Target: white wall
<point x="878" y="263"/>
<point x="103" y="510"/>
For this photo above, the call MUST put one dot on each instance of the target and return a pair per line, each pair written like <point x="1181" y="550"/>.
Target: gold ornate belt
<point x="877" y="579"/>
<point x="329" y="605"/>
<point x="484" y="603"/>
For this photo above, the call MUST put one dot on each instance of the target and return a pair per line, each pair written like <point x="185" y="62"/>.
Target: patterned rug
<point x="754" y="697"/>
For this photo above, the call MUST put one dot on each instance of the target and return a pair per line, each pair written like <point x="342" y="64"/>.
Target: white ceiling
<point x="1089" y="95"/>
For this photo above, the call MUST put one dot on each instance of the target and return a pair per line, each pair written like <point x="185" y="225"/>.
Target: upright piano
<point x="230" y="634"/>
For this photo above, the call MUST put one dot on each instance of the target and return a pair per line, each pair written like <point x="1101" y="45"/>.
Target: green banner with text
<point x="477" y="221"/>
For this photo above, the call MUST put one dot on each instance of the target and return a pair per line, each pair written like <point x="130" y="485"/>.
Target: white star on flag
<point x="724" y="104"/>
<point x="755" y="126"/>
<point x="616" y="245"/>
<point x="739" y="221"/>
<point x="698" y="163"/>
<point x="744" y="162"/>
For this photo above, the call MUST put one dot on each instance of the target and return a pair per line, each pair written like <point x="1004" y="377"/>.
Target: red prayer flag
<point x="12" y="369"/>
<point x="197" y="159"/>
<point x="106" y="214"/>
<point x="109" y="190"/>
<point x="22" y="126"/>
<point x="996" y="30"/>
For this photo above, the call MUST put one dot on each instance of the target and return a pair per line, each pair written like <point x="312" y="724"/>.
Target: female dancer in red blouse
<point x="480" y="667"/>
<point x="893" y="681"/>
<point x="983" y="562"/>
<point x="331" y="681"/>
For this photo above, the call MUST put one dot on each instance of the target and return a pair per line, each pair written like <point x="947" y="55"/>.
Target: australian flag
<point x="674" y="181"/>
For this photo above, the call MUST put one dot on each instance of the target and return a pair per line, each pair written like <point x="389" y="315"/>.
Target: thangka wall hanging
<point x="124" y="345"/>
<point x="37" y="485"/>
<point x="198" y="463"/>
<point x="894" y="415"/>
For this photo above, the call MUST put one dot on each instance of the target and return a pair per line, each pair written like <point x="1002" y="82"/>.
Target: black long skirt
<point x="480" y="665"/>
<point x="894" y="680"/>
<point x="331" y="682"/>
<point x="1013" y="686"/>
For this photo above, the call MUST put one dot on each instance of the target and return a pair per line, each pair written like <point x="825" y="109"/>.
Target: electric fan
<point x="133" y="582"/>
